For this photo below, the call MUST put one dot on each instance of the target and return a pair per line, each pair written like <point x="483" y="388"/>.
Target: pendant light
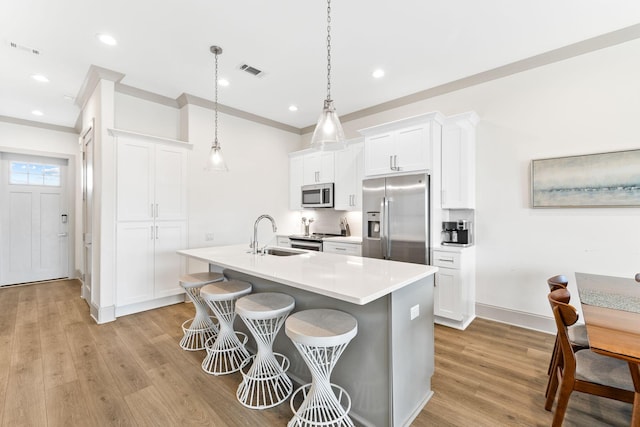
<point x="216" y="161"/>
<point x="328" y="130"/>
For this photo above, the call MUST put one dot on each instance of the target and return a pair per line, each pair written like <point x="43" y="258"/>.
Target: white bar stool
<point x="265" y="384"/>
<point x="225" y="353"/>
<point x="201" y="327"/>
<point x="321" y="335"/>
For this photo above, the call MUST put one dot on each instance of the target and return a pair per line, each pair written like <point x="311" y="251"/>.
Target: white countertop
<point x="352" y="279"/>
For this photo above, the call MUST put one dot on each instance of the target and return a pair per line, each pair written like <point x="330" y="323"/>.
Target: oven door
<point x="306" y="244"/>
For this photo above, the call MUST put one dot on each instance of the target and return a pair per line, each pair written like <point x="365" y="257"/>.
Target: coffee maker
<point x="457" y="233"/>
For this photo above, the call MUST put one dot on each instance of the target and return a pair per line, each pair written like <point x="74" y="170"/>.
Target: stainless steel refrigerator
<point x="395" y="219"/>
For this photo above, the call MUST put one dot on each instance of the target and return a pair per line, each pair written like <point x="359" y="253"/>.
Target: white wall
<point x="227" y="204"/>
<point x="19" y="138"/>
<point x="146" y="117"/>
<point x="587" y="104"/>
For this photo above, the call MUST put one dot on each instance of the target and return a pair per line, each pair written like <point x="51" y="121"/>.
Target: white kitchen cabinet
<point x="318" y="167"/>
<point x="458" y="162"/>
<point x="349" y="171"/>
<point x="151" y="181"/>
<point x="402" y="146"/>
<point x="295" y="182"/>
<point x="148" y="267"/>
<point x="151" y="214"/>
<point x="342" y="248"/>
<point x="454" y="293"/>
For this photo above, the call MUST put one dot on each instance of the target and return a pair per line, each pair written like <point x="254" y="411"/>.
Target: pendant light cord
<point x="216" y="104"/>
<point x="328" y="50"/>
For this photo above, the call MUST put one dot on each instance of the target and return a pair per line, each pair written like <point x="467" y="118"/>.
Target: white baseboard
<point x="516" y="318"/>
<point x="462" y="325"/>
<point x="148" y="305"/>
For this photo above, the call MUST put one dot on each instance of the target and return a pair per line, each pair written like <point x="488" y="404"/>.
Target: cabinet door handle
<point x="391" y="162"/>
<point x="340" y="249"/>
<point x="395" y="163"/>
<point x="152" y="232"/>
<point x="445" y="259"/>
<point x="156" y="210"/>
<point x="156" y="232"/>
<point x="151" y="210"/>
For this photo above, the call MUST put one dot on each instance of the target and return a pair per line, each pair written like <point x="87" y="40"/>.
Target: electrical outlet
<point x="208" y="237"/>
<point x="415" y="311"/>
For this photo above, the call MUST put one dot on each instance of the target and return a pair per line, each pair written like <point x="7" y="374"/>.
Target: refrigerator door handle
<point x="384" y="229"/>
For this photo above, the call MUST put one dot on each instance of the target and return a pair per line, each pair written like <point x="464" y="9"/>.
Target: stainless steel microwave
<point x="317" y="196"/>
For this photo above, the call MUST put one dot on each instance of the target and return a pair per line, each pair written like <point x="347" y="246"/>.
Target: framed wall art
<point x="590" y="180"/>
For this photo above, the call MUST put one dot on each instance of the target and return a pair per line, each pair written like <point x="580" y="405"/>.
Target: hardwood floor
<point x="58" y="368"/>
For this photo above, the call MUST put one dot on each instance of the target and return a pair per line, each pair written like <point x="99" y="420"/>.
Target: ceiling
<point x="163" y="48"/>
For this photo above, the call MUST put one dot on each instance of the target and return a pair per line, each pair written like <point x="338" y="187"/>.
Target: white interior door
<point x="35" y="224"/>
<point x="87" y="215"/>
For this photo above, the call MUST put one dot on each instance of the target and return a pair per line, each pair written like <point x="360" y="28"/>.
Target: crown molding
<point x="94" y="75"/>
<point x="31" y="123"/>
<point x="186" y="98"/>
<point x="570" y="51"/>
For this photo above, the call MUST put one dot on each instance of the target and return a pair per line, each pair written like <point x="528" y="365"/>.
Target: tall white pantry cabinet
<point x="151" y="221"/>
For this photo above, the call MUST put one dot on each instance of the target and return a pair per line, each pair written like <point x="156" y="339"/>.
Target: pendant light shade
<point x="215" y="162"/>
<point x="328" y="130"/>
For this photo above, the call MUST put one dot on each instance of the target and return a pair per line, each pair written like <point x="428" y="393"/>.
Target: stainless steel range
<point x="312" y="242"/>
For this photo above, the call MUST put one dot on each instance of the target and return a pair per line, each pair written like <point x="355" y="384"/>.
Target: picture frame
<point x="588" y="181"/>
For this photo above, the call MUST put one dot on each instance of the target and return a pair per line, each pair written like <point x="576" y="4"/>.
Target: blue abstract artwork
<point x="592" y="180"/>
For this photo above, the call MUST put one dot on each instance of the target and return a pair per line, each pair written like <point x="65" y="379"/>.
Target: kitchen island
<point x="387" y="367"/>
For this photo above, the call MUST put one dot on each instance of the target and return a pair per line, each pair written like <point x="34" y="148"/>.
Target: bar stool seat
<point x="225" y="353"/>
<point x="321" y="335"/>
<point x="201" y="327"/>
<point x="265" y="384"/>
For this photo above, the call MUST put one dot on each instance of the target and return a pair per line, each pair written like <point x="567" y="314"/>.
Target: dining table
<point x="611" y="311"/>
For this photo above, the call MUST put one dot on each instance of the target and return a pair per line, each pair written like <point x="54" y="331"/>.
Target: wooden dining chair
<point x="577" y="333"/>
<point x="583" y="370"/>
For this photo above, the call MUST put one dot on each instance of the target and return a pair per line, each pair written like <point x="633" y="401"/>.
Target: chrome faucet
<point x="254" y="244"/>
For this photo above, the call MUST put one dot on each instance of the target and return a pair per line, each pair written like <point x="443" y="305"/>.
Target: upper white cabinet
<point x="318" y="167"/>
<point x="458" y="162"/>
<point x="349" y="172"/>
<point x="151" y="181"/>
<point x="402" y="146"/>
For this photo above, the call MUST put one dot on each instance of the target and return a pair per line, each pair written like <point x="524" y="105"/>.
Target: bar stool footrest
<point x="265" y="385"/>
<point x="196" y="335"/>
<point x="332" y="415"/>
<point x="227" y="357"/>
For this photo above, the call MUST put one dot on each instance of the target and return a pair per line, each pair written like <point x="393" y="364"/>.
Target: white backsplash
<point x="328" y="221"/>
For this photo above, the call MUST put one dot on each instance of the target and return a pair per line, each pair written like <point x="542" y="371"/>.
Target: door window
<point x="27" y="173"/>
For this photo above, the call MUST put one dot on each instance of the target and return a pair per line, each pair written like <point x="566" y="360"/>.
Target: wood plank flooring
<point x="58" y="368"/>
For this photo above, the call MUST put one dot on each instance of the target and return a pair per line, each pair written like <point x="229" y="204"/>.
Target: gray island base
<point x="387" y="367"/>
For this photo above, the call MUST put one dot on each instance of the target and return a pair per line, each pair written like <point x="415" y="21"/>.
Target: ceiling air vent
<point x="18" y="46"/>
<point x="251" y="70"/>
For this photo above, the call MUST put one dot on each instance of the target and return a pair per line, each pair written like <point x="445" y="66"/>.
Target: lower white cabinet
<point x="147" y="265"/>
<point x="454" y="293"/>
<point x="342" y="248"/>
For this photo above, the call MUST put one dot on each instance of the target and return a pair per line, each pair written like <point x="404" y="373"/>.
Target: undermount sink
<point x="282" y="252"/>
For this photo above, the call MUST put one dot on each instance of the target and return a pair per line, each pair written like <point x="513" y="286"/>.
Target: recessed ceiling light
<point x="40" y="78"/>
<point x="37" y="113"/>
<point x="378" y="73"/>
<point x="107" y="39"/>
<point x="223" y="82"/>
<point x="293" y="108"/>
